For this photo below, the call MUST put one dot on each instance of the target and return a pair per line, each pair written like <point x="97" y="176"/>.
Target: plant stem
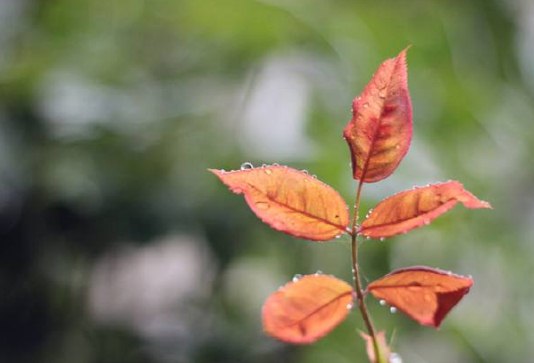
<point x="356" y="275"/>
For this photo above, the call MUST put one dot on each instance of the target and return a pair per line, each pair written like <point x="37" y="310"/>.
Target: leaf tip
<point x="214" y="171"/>
<point x="486" y="205"/>
<point x="405" y="50"/>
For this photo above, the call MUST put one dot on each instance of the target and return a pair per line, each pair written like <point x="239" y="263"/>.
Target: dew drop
<point x="449" y="273"/>
<point x="382" y="239"/>
<point x="296" y="277"/>
<point x="394" y="358"/>
<point x="392" y="310"/>
<point x="246" y="165"/>
<point x="382" y="302"/>
<point x="349" y="306"/>
<point x="264" y="165"/>
<point x="222" y="171"/>
<point x="314" y="176"/>
<point x="305" y="171"/>
<point x="318" y="272"/>
<point x="275" y="164"/>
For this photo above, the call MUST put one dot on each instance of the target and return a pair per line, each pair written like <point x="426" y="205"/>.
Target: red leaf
<point x="290" y="201"/>
<point x="414" y="208"/>
<point x="307" y="309"/>
<point x="380" y="130"/>
<point x="423" y="293"/>
<point x="383" y="349"/>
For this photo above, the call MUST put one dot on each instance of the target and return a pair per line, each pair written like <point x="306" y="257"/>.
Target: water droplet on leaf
<point x="382" y="302"/>
<point x="392" y="310"/>
<point x="246" y="165"/>
<point x="296" y="277"/>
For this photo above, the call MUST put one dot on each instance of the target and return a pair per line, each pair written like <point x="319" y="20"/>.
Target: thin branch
<point x="356" y="273"/>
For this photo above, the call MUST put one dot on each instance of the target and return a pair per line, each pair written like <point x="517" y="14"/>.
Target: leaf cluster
<point x="292" y="201"/>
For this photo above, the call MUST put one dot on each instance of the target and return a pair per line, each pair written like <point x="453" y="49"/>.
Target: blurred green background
<point x="118" y="246"/>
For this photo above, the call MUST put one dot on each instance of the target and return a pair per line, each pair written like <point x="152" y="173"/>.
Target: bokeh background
<point x="116" y="244"/>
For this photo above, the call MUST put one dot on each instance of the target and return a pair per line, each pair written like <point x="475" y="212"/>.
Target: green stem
<point x="356" y="274"/>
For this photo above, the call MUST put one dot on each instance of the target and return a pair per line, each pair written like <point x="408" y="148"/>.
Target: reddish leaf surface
<point x="290" y="201"/>
<point x="414" y="208"/>
<point x="383" y="348"/>
<point x="380" y="131"/>
<point x="423" y="293"/>
<point x="307" y="309"/>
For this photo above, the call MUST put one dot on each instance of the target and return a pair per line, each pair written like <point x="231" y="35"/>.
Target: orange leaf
<point x="414" y="208"/>
<point x="290" y="201"/>
<point x="383" y="349"/>
<point x="423" y="293"/>
<point x="306" y="309"/>
<point x="380" y="130"/>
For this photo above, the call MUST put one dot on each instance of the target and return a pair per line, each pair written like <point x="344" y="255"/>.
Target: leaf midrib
<point x="304" y="212"/>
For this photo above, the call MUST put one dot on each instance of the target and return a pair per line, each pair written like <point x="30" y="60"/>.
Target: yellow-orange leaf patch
<point x="380" y="131"/>
<point x="306" y="309"/>
<point x="423" y="293"/>
<point x="414" y="208"/>
<point x="290" y="201"/>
